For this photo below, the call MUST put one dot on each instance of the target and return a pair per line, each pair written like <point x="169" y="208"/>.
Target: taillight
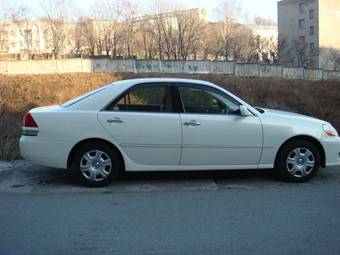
<point x="29" y="126"/>
<point x="28" y="121"/>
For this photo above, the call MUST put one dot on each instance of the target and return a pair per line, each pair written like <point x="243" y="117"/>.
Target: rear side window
<point x="146" y="99"/>
<point x="78" y="99"/>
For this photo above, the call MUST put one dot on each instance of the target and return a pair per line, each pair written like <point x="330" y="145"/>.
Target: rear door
<point x="146" y="124"/>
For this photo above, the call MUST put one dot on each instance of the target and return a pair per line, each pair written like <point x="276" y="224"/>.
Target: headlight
<point x="329" y="130"/>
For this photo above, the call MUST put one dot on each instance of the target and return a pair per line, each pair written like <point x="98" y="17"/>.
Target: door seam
<point x="181" y="123"/>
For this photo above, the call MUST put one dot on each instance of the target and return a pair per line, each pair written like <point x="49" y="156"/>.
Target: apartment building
<point x="308" y="31"/>
<point x="29" y="36"/>
<point x="33" y="35"/>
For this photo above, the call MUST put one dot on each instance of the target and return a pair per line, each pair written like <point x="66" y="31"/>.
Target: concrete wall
<point x="164" y="66"/>
<point x="247" y="70"/>
<point x="293" y="73"/>
<point x="223" y="68"/>
<point x="45" y="66"/>
<point x="275" y="71"/>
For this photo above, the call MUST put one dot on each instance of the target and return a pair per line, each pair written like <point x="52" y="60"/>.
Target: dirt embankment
<point x="19" y="93"/>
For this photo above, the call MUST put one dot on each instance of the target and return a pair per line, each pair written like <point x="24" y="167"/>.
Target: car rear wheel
<point x="96" y="164"/>
<point x="298" y="161"/>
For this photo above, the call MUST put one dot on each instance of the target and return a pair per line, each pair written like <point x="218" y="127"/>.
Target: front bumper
<point x="332" y="151"/>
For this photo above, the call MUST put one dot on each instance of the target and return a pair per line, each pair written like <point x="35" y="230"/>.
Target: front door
<point x="214" y="132"/>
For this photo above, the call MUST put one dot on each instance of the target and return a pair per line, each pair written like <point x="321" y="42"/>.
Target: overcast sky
<point x="253" y="8"/>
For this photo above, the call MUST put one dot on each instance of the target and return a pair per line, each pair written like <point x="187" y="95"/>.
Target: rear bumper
<point x="332" y="151"/>
<point x="45" y="152"/>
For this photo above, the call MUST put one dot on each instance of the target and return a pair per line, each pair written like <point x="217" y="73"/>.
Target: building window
<point x="311" y="14"/>
<point x="311" y="30"/>
<point x="312" y="47"/>
<point x="301" y="23"/>
<point x="302" y="38"/>
<point x="301" y="8"/>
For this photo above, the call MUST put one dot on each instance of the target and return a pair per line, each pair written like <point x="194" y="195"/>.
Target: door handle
<point x="115" y="121"/>
<point x="192" y="123"/>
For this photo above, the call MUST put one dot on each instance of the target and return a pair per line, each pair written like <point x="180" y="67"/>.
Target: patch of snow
<point x="11" y="165"/>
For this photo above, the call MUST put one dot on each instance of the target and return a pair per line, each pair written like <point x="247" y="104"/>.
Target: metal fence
<point x="165" y="66"/>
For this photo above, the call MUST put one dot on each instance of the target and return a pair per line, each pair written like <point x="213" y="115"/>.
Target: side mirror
<point x="244" y="111"/>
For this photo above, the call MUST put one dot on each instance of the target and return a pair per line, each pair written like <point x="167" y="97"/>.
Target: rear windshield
<point x="80" y="98"/>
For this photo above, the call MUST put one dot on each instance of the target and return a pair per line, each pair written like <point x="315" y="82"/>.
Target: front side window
<point x="197" y="100"/>
<point x="146" y="99"/>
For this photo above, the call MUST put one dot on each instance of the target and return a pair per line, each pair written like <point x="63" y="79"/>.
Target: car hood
<point x="292" y="115"/>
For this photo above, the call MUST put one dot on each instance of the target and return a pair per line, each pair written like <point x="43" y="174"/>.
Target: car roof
<point x="155" y="80"/>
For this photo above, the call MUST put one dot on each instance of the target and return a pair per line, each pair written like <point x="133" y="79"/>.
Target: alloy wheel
<point x="95" y="165"/>
<point x="300" y="162"/>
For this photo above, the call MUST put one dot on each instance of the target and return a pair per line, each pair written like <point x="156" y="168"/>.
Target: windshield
<point x="82" y="97"/>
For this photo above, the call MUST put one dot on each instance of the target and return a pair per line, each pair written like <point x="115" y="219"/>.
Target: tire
<point x="298" y="161"/>
<point x="96" y="164"/>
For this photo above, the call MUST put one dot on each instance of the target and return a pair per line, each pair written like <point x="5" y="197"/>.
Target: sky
<point x="252" y="8"/>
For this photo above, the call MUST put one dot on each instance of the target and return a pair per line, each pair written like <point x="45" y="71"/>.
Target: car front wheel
<point x="96" y="165"/>
<point x="298" y="161"/>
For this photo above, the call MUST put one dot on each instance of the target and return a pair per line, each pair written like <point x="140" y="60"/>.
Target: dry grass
<point x="20" y="93"/>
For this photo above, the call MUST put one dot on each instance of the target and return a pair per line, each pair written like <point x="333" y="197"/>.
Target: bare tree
<point x="163" y="28"/>
<point x="157" y="20"/>
<point x="21" y="17"/>
<point x="129" y="12"/>
<point x="86" y="26"/>
<point x="56" y="31"/>
<point x="3" y="27"/>
<point x="148" y="40"/>
<point x="227" y="11"/>
<point x="301" y="52"/>
<point x="213" y="44"/>
<point x="189" y="34"/>
<point x="263" y="21"/>
<point x="178" y="33"/>
<point x="334" y="58"/>
<point x="243" y="45"/>
<point x="108" y="25"/>
<point x="266" y="50"/>
<point x="78" y="38"/>
<point x="282" y="52"/>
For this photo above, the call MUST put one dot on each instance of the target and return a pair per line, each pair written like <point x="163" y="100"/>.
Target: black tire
<point x="283" y="167"/>
<point x="108" y="152"/>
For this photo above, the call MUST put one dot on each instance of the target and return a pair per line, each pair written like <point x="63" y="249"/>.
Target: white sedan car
<point x="173" y="124"/>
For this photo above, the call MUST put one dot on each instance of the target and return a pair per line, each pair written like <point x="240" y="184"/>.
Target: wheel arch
<point x="309" y="139"/>
<point x="94" y="140"/>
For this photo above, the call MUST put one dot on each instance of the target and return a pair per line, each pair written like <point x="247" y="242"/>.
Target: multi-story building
<point x="34" y="36"/>
<point x="308" y="32"/>
<point x="31" y="36"/>
<point x="268" y="32"/>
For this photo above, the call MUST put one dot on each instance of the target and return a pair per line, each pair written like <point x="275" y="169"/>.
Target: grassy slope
<point x="20" y="93"/>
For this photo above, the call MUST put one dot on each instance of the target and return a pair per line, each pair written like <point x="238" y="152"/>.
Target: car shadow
<point x="57" y="177"/>
<point x="220" y="175"/>
<point x="23" y="175"/>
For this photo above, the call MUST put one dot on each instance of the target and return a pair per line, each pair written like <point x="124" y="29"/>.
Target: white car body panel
<point x="160" y="141"/>
<point x="235" y="141"/>
<point x="147" y="138"/>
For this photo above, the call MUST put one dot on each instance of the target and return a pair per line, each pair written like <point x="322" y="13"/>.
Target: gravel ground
<point x="43" y="211"/>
